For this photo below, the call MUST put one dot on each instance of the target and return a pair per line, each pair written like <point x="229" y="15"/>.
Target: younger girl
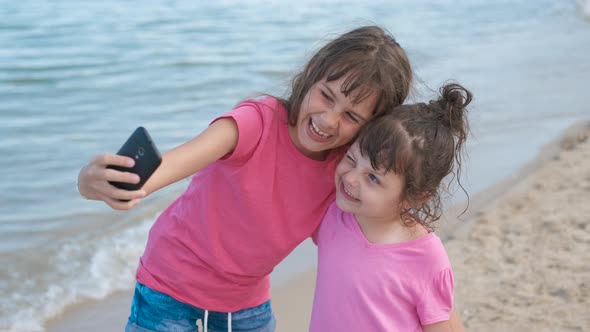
<point x="264" y="181"/>
<point x="380" y="266"/>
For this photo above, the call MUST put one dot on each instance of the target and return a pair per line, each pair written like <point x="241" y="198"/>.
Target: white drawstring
<point x="207" y="318"/>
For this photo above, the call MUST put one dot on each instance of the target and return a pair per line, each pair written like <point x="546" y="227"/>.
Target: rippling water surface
<point x="77" y="77"/>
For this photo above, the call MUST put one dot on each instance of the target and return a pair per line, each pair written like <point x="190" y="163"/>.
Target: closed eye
<point x="352" y="117"/>
<point x="350" y="159"/>
<point x="326" y="96"/>
<point x="373" y="178"/>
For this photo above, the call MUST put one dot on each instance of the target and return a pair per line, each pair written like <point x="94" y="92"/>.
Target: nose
<point x="332" y="118"/>
<point x="350" y="178"/>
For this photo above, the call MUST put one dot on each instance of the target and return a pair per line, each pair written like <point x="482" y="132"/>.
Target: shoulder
<point x="254" y="119"/>
<point x="265" y="105"/>
<point x="434" y="256"/>
<point x="334" y="214"/>
<point x="428" y="255"/>
<point x="332" y="218"/>
<point x="253" y="116"/>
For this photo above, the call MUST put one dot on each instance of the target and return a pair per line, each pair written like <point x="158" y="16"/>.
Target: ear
<point x="405" y="205"/>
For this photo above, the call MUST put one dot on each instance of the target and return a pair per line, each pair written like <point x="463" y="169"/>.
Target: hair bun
<point x="452" y="103"/>
<point x="456" y="95"/>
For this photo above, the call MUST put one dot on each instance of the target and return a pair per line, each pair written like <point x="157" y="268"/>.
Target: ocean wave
<point x="83" y="270"/>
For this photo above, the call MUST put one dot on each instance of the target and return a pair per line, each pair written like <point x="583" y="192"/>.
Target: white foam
<point x="84" y="270"/>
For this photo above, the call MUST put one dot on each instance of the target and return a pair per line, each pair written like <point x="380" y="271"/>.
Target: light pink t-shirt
<point x="378" y="287"/>
<point x="216" y="245"/>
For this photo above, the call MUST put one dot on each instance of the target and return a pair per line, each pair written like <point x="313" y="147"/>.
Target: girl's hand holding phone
<point x="117" y="179"/>
<point x="94" y="182"/>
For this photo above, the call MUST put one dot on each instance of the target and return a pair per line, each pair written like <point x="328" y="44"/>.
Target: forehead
<point x="364" y="160"/>
<point x="390" y="178"/>
<point x="361" y="161"/>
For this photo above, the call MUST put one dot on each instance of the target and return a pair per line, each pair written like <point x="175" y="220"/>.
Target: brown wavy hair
<point x="423" y="143"/>
<point x="371" y="59"/>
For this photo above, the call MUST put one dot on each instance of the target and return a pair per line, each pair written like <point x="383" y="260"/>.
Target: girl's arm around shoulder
<point x="219" y="139"/>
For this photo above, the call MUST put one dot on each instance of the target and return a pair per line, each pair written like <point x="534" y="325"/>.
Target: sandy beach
<point x="524" y="264"/>
<point x="519" y="254"/>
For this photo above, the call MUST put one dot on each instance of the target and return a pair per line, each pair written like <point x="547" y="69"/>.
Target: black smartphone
<point x="140" y="147"/>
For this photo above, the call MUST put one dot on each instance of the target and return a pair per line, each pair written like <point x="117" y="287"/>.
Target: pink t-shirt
<point x="378" y="287"/>
<point x="216" y="245"/>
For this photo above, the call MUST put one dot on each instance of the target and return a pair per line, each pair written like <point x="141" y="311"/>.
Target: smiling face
<point x="366" y="192"/>
<point x="328" y="119"/>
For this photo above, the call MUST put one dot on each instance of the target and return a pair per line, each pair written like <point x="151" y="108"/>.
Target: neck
<point x="389" y="230"/>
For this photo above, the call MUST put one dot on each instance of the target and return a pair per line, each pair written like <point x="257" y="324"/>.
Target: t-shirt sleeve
<point x="248" y="118"/>
<point x="436" y="302"/>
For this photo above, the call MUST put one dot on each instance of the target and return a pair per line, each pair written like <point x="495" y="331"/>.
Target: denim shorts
<point x="155" y="311"/>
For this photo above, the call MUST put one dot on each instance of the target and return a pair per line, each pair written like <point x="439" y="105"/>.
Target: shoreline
<point x="292" y="301"/>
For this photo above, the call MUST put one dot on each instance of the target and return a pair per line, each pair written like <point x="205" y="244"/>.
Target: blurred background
<point x="76" y="78"/>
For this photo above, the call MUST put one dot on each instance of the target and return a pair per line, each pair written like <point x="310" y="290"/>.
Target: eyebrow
<point x="333" y="95"/>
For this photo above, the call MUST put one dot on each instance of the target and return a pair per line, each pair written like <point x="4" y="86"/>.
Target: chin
<point x="341" y="203"/>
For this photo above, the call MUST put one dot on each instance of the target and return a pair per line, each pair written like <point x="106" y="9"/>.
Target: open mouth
<point x="316" y="133"/>
<point x="347" y="194"/>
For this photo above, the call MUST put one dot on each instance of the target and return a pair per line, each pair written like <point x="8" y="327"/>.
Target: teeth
<point x="317" y="130"/>
<point x="349" y="193"/>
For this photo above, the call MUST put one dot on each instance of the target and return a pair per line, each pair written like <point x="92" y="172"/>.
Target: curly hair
<point x="423" y="143"/>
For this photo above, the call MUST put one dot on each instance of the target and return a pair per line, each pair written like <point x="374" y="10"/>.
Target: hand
<point x="93" y="182"/>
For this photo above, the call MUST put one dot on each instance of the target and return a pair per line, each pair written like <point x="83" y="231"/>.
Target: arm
<point x="444" y="326"/>
<point x="455" y="321"/>
<point x="454" y="324"/>
<point x="213" y="143"/>
<point x="219" y="139"/>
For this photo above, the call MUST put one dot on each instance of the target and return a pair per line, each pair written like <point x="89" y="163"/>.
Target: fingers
<point x="120" y="205"/>
<point x="94" y="181"/>
<point x="120" y="199"/>
<point x="112" y="175"/>
<point x="124" y="195"/>
<point x="112" y="159"/>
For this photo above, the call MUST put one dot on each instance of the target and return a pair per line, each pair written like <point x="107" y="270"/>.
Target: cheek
<point x="305" y="106"/>
<point x="340" y="169"/>
<point x="349" y="131"/>
<point x="377" y="195"/>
